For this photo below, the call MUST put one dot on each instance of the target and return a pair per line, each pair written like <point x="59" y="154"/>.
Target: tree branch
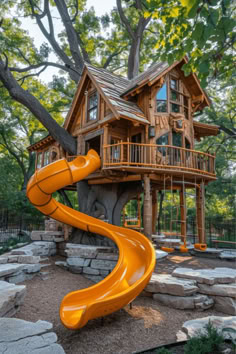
<point x="36" y="66"/>
<point x="74" y="74"/>
<point x="111" y="56"/>
<point x="37" y="109"/>
<point x="72" y="36"/>
<point x="11" y="151"/>
<point x="124" y="19"/>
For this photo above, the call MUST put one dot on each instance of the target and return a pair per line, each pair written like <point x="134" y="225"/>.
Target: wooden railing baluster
<point x="157" y="156"/>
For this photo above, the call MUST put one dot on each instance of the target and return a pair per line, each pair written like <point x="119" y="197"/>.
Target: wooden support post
<point x="147" y="207"/>
<point x="183" y="213"/>
<point x="154" y="211"/>
<point x="200" y="207"/>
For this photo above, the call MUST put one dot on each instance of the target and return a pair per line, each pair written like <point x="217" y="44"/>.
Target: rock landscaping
<point x="19" y="336"/>
<point x="12" y="296"/>
<point x="200" y="289"/>
<point x="194" y="327"/>
<point x="94" y="262"/>
<point x="16" y="273"/>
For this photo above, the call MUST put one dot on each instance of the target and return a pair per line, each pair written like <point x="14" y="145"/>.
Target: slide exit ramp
<point x="136" y="254"/>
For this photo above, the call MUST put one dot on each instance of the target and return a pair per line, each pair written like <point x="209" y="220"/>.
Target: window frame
<point x="181" y="94"/>
<point x="89" y="110"/>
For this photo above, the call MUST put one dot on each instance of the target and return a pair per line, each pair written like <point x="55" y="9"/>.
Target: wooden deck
<point x="149" y="158"/>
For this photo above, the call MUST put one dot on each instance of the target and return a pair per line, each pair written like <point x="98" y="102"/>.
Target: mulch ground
<point x="146" y="325"/>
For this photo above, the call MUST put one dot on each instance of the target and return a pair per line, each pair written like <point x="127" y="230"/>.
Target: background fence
<point x="216" y="228"/>
<point x="17" y="226"/>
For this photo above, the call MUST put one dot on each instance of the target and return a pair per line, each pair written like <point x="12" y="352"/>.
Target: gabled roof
<point x="146" y="77"/>
<point x="112" y="87"/>
<point x="156" y="71"/>
<point x="47" y="140"/>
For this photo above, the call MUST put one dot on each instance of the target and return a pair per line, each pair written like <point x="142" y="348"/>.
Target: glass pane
<point x="177" y="139"/>
<point x="93" y="100"/>
<point x="39" y="160"/>
<point x="174" y="108"/>
<point x="174" y="84"/>
<point x="46" y="158"/>
<point x="161" y="106"/>
<point x="161" y="94"/>
<point x="174" y="96"/>
<point x="162" y="140"/>
<point x="92" y="114"/>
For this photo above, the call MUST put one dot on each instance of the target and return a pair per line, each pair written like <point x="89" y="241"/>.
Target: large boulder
<point x="207" y="276"/>
<point x="197" y="302"/>
<point x="194" y="327"/>
<point x="11" y="297"/>
<point x="218" y="289"/>
<point x="225" y="304"/>
<point x="18" y="336"/>
<point x="166" y="284"/>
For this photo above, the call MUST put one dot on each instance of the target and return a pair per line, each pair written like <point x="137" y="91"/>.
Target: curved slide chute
<point x="136" y="254"/>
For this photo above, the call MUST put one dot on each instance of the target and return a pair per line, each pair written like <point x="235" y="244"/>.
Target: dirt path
<point x="146" y="325"/>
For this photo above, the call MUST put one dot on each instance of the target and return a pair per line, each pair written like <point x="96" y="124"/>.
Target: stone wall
<point x="198" y="289"/>
<point x="94" y="262"/>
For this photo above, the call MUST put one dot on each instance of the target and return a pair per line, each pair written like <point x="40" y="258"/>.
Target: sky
<point x="100" y="6"/>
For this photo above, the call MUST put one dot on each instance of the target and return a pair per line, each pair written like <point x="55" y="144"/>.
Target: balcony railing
<point x="152" y="156"/>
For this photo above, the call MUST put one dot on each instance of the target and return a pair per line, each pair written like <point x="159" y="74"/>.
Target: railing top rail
<point x="159" y="146"/>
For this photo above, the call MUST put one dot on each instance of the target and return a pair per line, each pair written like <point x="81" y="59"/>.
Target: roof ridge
<point x="107" y="71"/>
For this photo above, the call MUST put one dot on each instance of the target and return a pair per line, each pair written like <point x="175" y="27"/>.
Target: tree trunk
<point x="105" y="202"/>
<point x="133" y="60"/>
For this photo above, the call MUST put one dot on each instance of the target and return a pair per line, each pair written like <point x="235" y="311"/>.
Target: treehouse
<point x="143" y="130"/>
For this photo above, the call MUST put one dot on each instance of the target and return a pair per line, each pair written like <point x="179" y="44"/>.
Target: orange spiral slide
<point x="136" y="254"/>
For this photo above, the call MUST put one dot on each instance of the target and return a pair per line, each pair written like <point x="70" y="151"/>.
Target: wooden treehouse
<point x="143" y="130"/>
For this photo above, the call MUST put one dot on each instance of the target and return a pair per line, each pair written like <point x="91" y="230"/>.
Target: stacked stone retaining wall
<point x="94" y="262"/>
<point x="195" y="289"/>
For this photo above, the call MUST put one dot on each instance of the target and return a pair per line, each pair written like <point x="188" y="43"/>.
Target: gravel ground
<point x="144" y="326"/>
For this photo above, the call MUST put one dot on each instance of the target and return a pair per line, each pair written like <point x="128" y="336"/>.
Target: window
<point x="176" y="139"/>
<point x="162" y="140"/>
<point x="46" y="158"/>
<point x="174" y="84"/>
<point x="39" y="160"/>
<point x="161" y="98"/>
<point x="174" y="95"/>
<point x="92" y="107"/>
<point x="171" y="97"/>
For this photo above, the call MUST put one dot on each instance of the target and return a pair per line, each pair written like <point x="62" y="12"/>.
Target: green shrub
<point x="205" y="343"/>
<point x="163" y="351"/>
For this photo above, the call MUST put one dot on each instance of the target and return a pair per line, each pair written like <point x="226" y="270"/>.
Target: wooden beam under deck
<point x="113" y="179"/>
<point x="168" y="170"/>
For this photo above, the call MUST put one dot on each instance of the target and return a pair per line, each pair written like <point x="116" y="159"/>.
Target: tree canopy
<point x="204" y="30"/>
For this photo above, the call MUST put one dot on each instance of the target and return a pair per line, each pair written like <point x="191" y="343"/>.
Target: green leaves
<point x="204" y="25"/>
